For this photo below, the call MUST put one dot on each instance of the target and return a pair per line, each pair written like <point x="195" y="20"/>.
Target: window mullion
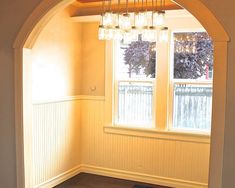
<point x="162" y="83"/>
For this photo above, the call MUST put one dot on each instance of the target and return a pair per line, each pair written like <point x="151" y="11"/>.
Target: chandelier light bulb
<point x="108" y="19"/>
<point x="140" y="20"/>
<point x="134" y="34"/>
<point x="144" y="34"/>
<point x="125" y="22"/>
<point x="149" y="34"/>
<point x="101" y="32"/>
<point x="109" y="33"/>
<point x="117" y="33"/>
<point x="127" y="38"/>
<point x="159" y="18"/>
<point x="163" y="35"/>
<point x="115" y="20"/>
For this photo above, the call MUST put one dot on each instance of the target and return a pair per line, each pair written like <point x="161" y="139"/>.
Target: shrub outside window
<point x="134" y="83"/>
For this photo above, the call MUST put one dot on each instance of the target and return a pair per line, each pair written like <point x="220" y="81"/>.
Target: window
<point x="192" y="81"/>
<point x="164" y="86"/>
<point x="134" y="83"/>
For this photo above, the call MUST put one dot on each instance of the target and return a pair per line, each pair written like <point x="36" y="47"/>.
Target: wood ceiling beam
<point x="88" y="1"/>
<point x="97" y="9"/>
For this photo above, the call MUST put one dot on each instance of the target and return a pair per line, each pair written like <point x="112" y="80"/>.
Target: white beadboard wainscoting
<point x="69" y="138"/>
<point x="56" y="141"/>
<point x="185" y="163"/>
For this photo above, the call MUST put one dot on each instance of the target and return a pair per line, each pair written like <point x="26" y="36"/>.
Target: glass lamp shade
<point x="117" y="33"/>
<point x="125" y="22"/>
<point x="141" y="20"/>
<point x="134" y="33"/>
<point x="127" y="38"/>
<point x="163" y="35"/>
<point x="109" y="19"/>
<point x="149" y="34"/>
<point x="116" y="19"/>
<point x="109" y="34"/>
<point x="159" y="18"/>
<point x="101" y="32"/>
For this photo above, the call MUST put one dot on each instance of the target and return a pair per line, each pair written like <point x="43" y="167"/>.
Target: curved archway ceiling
<point x="94" y="7"/>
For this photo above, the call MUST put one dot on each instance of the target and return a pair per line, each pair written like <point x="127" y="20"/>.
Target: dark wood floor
<point x="85" y="180"/>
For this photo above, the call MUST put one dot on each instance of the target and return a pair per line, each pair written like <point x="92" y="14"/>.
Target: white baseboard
<point x="121" y="174"/>
<point x="134" y="176"/>
<point x="60" y="178"/>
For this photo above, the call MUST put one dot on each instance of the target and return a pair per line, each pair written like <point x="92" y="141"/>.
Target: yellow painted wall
<point x="69" y="61"/>
<point x="56" y="57"/>
<point x="93" y="55"/>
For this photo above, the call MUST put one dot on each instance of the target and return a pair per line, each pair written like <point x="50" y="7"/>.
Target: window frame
<point x="183" y="81"/>
<point x="116" y="47"/>
<point x="162" y="126"/>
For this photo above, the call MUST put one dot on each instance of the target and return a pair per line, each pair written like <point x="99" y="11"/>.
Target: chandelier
<point x="128" y="26"/>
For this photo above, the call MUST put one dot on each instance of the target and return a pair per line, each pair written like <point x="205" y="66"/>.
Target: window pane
<point x="193" y="56"/>
<point x="135" y="101"/>
<point x="136" y="60"/>
<point x="192" y="107"/>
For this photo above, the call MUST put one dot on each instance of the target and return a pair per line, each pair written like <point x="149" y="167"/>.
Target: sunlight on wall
<point x="56" y="60"/>
<point x="56" y="74"/>
<point x="49" y="80"/>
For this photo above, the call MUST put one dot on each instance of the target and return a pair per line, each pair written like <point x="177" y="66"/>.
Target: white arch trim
<point x="206" y="18"/>
<point x="40" y="17"/>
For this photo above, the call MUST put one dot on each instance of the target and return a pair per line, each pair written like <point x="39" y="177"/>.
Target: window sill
<point x="156" y="134"/>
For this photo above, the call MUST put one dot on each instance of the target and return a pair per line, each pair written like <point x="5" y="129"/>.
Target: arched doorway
<point x="45" y="11"/>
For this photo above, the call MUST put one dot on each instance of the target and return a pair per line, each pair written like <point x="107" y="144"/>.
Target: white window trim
<point x="196" y="137"/>
<point x="111" y="84"/>
<point x="184" y="81"/>
<point x="162" y="131"/>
